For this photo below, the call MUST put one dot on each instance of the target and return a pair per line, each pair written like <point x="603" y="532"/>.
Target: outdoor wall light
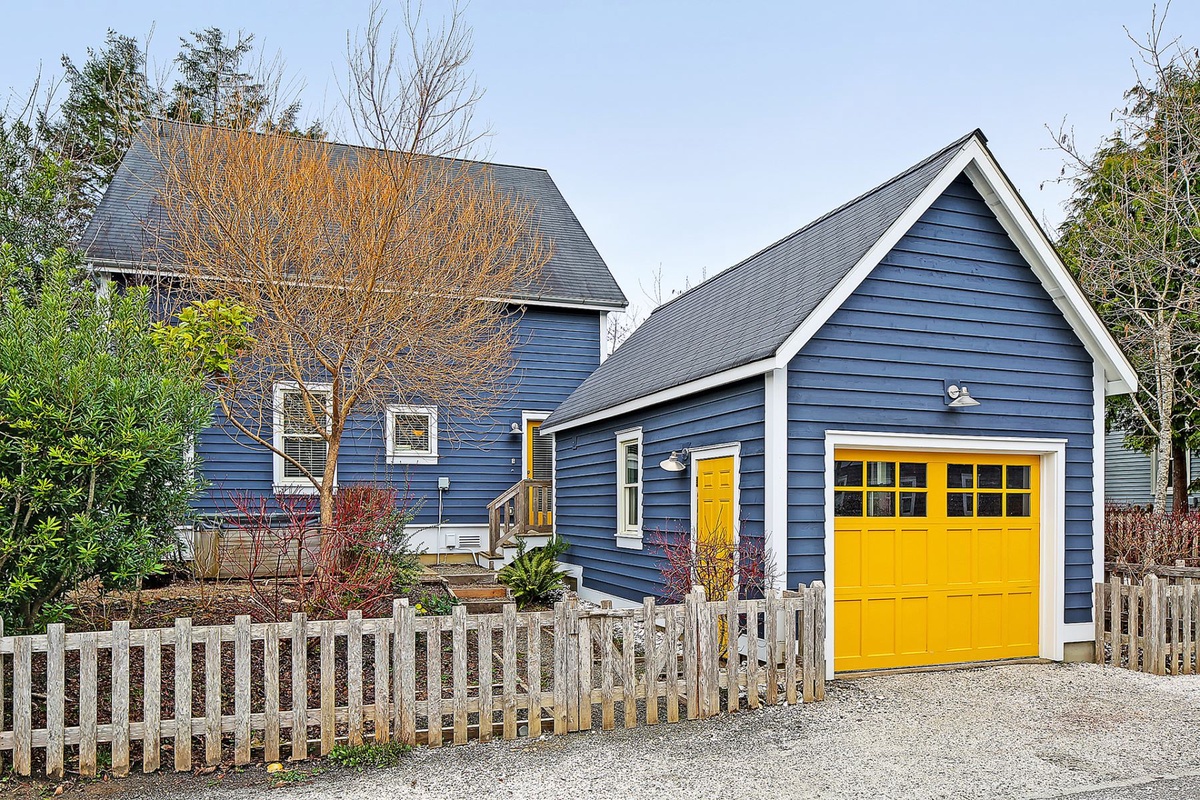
<point x="676" y="462"/>
<point x="515" y="430"/>
<point x="960" y="396"/>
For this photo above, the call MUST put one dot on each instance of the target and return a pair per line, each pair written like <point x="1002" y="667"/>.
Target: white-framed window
<point x="629" y="484"/>
<point x="295" y="411"/>
<point x="412" y="436"/>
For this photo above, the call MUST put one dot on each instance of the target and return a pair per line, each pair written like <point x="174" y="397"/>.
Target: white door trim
<point x="718" y="451"/>
<point x="1052" y="632"/>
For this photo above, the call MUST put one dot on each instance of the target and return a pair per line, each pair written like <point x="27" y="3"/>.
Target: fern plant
<point x="534" y="574"/>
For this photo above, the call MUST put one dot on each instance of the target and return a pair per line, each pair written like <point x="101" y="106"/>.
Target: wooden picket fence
<point x="417" y="680"/>
<point x="1152" y="626"/>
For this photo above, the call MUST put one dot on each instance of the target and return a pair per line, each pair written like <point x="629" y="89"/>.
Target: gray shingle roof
<point x="746" y="312"/>
<point x="575" y="272"/>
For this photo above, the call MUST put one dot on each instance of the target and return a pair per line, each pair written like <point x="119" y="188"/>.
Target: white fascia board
<point x="854" y="278"/>
<point x="674" y="393"/>
<point x="977" y="163"/>
<point x="1002" y="197"/>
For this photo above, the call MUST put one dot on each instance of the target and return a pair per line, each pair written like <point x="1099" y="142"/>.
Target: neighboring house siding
<point x="953" y="300"/>
<point x="557" y="349"/>
<point x="1127" y="473"/>
<point x="586" y="501"/>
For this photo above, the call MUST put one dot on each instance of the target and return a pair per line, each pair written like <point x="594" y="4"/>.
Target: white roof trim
<point x="674" y="393"/>
<point x="977" y="163"/>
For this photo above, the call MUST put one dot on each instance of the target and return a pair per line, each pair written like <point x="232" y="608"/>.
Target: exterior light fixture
<point x="960" y="396"/>
<point x="676" y="462"/>
<point x="515" y="429"/>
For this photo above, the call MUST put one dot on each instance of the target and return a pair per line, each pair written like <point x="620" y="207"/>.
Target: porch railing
<point x="525" y="507"/>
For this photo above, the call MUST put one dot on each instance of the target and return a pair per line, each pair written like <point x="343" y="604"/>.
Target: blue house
<point x="903" y="399"/>
<point x="453" y="479"/>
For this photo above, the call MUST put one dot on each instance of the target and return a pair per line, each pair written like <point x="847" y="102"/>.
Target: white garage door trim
<point x="1052" y="632"/>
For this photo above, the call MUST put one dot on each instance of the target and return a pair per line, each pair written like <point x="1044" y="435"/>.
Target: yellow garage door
<point x="935" y="558"/>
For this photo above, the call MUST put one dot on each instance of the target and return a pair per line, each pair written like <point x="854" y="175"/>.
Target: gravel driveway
<point x="1014" y="731"/>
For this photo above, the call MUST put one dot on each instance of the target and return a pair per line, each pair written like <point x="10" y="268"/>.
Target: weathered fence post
<point x="404" y="621"/>
<point x="22" y="714"/>
<point x="241" y="690"/>
<point x="55" y="700"/>
<point x="300" y="686"/>
<point x="354" y="678"/>
<point x="818" y="637"/>
<point x="152" y="701"/>
<point x="1155" y="626"/>
<point x="120" y="698"/>
<point x="183" y="695"/>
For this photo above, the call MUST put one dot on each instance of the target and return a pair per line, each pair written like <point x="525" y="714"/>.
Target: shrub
<point x="95" y="421"/>
<point x="361" y="561"/>
<point x="686" y="562"/>
<point x="1138" y="537"/>
<point x="533" y="575"/>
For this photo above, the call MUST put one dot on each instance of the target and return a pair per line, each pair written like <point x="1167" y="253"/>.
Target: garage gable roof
<point x="756" y="315"/>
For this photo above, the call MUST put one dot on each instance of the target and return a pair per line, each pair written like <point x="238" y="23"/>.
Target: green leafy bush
<point x="533" y="575"/>
<point x="95" y="422"/>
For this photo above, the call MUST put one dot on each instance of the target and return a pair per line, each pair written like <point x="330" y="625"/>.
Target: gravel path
<point x="1002" y="732"/>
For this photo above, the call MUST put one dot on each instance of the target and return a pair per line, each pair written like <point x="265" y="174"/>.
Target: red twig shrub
<point x="292" y="564"/>
<point x="1137" y="536"/>
<point x="686" y="562"/>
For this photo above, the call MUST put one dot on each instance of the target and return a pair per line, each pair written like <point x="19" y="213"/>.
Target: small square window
<point x="991" y="476"/>
<point x="847" y="504"/>
<point x="1018" y="504"/>
<point x="1018" y="477"/>
<point x="881" y="473"/>
<point x="960" y="504"/>
<point x="990" y="504"/>
<point x="848" y="473"/>
<point x="412" y="435"/>
<point x="913" y="504"/>
<point x="881" y="504"/>
<point x="960" y="476"/>
<point x="913" y="475"/>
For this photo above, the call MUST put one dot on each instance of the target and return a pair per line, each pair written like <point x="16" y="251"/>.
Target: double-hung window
<point x="301" y="422"/>
<point x="629" y="485"/>
<point x="411" y="433"/>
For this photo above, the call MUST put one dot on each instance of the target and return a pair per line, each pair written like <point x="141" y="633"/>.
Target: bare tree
<point x="1132" y="238"/>
<point x="376" y="276"/>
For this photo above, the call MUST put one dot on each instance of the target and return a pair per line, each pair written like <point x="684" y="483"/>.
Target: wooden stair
<point x="477" y="589"/>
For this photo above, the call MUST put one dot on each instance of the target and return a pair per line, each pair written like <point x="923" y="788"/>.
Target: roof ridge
<point x="959" y="142"/>
<point x="186" y="123"/>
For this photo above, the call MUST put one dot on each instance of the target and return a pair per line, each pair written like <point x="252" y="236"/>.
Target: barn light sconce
<point x="515" y="429"/>
<point x="676" y="462"/>
<point x="960" y="396"/>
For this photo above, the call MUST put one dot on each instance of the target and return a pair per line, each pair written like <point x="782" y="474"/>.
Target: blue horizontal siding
<point x="557" y="349"/>
<point x="954" y="299"/>
<point x="587" y="482"/>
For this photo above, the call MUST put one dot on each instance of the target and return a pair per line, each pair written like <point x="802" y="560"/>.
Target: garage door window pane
<point x="881" y="473"/>
<point x="912" y="475"/>
<point x="847" y="504"/>
<point x="991" y="476"/>
<point x="1018" y="505"/>
<point x="1018" y="477"/>
<point x="912" y="504"/>
<point x="960" y="476"/>
<point x="848" y="473"/>
<point x="881" y="504"/>
<point x="990" y="504"/>
<point x="960" y="504"/>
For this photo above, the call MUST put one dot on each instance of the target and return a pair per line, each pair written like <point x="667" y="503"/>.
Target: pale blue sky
<point x="690" y="135"/>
